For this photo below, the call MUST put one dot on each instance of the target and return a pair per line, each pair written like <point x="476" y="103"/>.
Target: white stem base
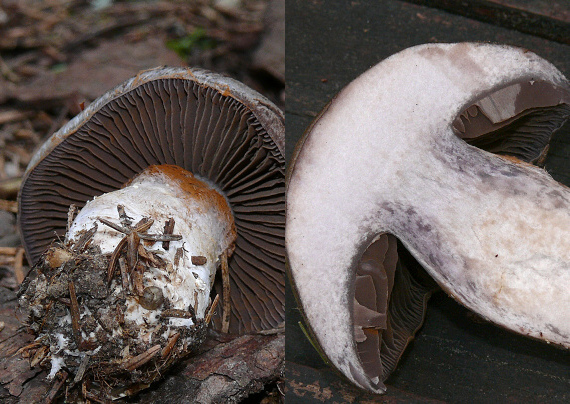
<point x="202" y="218"/>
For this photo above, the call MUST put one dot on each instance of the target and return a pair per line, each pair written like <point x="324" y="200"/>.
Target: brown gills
<point x="390" y="300"/>
<point x="211" y="134"/>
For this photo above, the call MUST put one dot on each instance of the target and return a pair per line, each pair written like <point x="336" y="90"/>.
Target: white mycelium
<point x="57" y="363"/>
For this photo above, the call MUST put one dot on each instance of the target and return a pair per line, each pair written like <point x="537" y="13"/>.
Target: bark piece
<point x="227" y="372"/>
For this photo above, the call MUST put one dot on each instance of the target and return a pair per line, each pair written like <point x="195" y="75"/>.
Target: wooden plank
<point x="550" y="20"/>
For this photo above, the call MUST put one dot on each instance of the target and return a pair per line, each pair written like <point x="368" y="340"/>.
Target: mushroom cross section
<point x="406" y="150"/>
<point x="226" y="134"/>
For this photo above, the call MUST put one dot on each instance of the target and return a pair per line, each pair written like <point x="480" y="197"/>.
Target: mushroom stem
<point x="114" y="260"/>
<point x="160" y="195"/>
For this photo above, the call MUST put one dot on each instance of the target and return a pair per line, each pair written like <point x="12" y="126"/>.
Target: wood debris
<point x="14" y="256"/>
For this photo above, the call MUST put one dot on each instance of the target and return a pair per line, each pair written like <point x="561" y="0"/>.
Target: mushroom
<point x="176" y="170"/>
<point x="424" y="161"/>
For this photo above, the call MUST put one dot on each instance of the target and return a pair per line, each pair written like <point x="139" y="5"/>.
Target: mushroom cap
<point x="213" y="126"/>
<point x="385" y="157"/>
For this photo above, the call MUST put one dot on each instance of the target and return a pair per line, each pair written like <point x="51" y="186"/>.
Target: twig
<point x="168" y="348"/>
<point x="126" y="220"/>
<point x="133" y="241"/>
<point x="19" y="266"/>
<point x="160" y="237"/>
<point x="10" y="187"/>
<point x="137" y="279"/>
<point x="139" y="360"/>
<point x="82" y="368"/>
<point x="85" y="239"/>
<point x="7" y="261"/>
<point x="11" y="116"/>
<point x="278" y="330"/>
<point x="124" y="275"/>
<point x="74" y="309"/>
<point x="177" y="313"/>
<point x="14" y="256"/>
<point x="56" y="387"/>
<point x="168" y="229"/>
<point x="28" y="347"/>
<point x="9" y="206"/>
<point x="114" y="258"/>
<point x="90" y="396"/>
<point x="211" y="309"/>
<point x="114" y="226"/>
<point x="2" y="166"/>
<point x="149" y="256"/>
<point x="143" y="225"/>
<point x="40" y="354"/>
<point x="71" y="216"/>
<point x="7" y="72"/>
<point x="10" y="251"/>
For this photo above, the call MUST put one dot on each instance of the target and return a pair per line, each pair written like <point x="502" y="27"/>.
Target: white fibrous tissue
<point x="57" y="363"/>
<point x="204" y="232"/>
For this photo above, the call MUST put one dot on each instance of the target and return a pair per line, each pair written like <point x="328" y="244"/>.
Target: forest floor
<point x="57" y="56"/>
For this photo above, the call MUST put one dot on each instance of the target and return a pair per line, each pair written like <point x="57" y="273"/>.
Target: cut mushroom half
<point x="178" y="173"/>
<point x="423" y="163"/>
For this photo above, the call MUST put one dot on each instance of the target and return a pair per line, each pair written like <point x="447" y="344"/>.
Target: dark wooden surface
<point x="455" y="357"/>
<point x="548" y="19"/>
